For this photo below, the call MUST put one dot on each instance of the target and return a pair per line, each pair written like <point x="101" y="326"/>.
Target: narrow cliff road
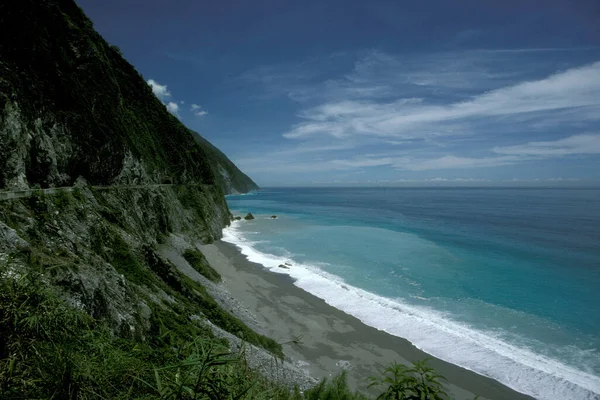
<point x="18" y="194"/>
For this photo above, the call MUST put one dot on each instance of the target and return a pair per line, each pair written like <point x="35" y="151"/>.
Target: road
<point x="19" y="194"/>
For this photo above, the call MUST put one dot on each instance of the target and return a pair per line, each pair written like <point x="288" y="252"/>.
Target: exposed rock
<point x="282" y="372"/>
<point x="273" y="216"/>
<point x="10" y="239"/>
<point x="238" y="218"/>
<point x="249" y="217"/>
<point x="283" y="266"/>
<point x="288" y="264"/>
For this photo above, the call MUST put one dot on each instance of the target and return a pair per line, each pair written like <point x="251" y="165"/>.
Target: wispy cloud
<point x="408" y="163"/>
<point x="413" y="117"/>
<point x="198" y="111"/>
<point x="375" y="75"/>
<point x="392" y="116"/>
<point x="576" y="144"/>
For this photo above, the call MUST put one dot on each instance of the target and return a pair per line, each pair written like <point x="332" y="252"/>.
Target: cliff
<point x="95" y="175"/>
<point x="71" y="106"/>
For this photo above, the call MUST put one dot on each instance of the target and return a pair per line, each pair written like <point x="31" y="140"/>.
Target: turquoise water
<point x="505" y="282"/>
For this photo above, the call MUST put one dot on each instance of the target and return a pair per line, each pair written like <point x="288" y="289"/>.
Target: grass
<point x="200" y="264"/>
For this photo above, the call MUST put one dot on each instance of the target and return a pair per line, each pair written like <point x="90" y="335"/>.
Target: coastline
<point x="332" y="340"/>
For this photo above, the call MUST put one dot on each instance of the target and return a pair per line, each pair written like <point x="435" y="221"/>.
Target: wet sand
<point x="331" y="340"/>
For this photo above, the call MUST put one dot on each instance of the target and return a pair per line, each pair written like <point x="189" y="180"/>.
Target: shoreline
<point x="332" y="340"/>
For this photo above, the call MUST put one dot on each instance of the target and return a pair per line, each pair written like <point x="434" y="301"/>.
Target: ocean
<point x="504" y="282"/>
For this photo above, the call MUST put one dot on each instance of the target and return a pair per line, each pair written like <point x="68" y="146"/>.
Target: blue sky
<point x="379" y="92"/>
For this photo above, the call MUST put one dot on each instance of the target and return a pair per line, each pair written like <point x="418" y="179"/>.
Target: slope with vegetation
<point x="88" y="306"/>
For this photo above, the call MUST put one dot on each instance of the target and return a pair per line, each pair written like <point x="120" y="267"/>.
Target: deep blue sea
<point x="505" y="282"/>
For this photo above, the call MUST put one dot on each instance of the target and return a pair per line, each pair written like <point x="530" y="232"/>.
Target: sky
<point x="346" y="92"/>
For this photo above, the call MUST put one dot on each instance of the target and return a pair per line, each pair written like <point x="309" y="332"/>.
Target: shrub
<point x="420" y="382"/>
<point x="200" y="264"/>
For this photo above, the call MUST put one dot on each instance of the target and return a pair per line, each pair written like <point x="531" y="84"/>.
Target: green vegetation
<point x="200" y="264"/>
<point x="84" y="85"/>
<point x="336" y="389"/>
<point x="145" y="268"/>
<point x="62" y="199"/>
<point x="51" y="350"/>
<point x="415" y="383"/>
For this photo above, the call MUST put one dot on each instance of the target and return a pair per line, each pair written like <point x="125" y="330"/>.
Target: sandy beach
<point x="331" y="340"/>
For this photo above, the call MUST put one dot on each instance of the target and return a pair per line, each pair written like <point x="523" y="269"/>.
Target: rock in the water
<point x="288" y="264"/>
<point x="249" y="216"/>
<point x="283" y="266"/>
<point x="237" y="218"/>
<point x="273" y="216"/>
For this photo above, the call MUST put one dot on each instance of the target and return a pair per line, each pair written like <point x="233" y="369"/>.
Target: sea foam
<point x="434" y="332"/>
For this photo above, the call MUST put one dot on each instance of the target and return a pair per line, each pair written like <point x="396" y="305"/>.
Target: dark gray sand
<point x="331" y="339"/>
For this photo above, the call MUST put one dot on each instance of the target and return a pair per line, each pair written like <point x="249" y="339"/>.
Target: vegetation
<point x="51" y="350"/>
<point x="415" y="383"/>
<point x="143" y="267"/>
<point x="107" y="110"/>
<point x="200" y="264"/>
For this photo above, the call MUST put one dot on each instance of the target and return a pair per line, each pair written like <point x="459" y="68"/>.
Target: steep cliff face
<point x="75" y="114"/>
<point x="71" y="106"/>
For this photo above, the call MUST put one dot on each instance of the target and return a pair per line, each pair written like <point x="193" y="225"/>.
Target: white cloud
<point x="576" y="144"/>
<point x="160" y="91"/>
<point x="577" y="89"/>
<point x="197" y="110"/>
<point x="173" y="108"/>
<point x="399" y="115"/>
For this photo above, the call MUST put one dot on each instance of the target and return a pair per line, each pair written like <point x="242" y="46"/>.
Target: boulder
<point x="249" y="216"/>
<point x="288" y="264"/>
<point x="283" y="266"/>
<point x="273" y="216"/>
<point x="237" y="218"/>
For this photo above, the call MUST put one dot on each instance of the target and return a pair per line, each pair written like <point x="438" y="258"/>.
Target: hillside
<point x="71" y="106"/>
<point x="226" y="173"/>
<point x="103" y="181"/>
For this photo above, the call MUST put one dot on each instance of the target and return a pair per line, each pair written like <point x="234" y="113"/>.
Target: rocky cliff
<point x="75" y="114"/>
<point x="71" y="106"/>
